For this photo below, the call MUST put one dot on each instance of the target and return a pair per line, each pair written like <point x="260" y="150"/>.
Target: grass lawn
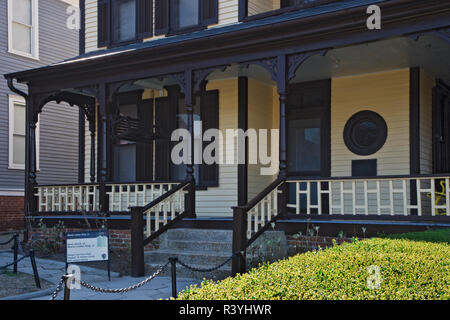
<point x="416" y="266"/>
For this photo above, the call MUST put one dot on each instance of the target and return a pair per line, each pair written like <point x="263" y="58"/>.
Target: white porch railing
<point x="263" y="212"/>
<point x="123" y="196"/>
<point x="85" y="197"/>
<point x="70" y="198"/>
<point x="173" y="205"/>
<point x="372" y="196"/>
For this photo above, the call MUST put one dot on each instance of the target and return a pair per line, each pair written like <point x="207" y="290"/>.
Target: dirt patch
<point x="15" y="284"/>
<point x="120" y="261"/>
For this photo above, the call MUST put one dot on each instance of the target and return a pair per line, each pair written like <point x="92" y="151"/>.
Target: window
<point x="365" y="133"/>
<point x="23" y="37"/>
<point x="184" y="14"/>
<point x="123" y="20"/>
<point x="17" y="125"/>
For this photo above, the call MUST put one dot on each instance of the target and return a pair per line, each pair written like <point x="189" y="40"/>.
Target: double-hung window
<point x="23" y="36"/>
<point x="17" y="125"/>
<point x="184" y="14"/>
<point x="123" y="17"/>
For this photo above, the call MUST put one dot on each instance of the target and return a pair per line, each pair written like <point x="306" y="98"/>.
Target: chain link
<point x="207" y="270"/>
<point x="58" y="288"/>
<point x="14" y="262"/>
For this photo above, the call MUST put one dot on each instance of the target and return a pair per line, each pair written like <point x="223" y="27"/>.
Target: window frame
<point x="195" y="27"/>
<point x="117" y="43"/>
<point x="13" y="101"/>
<point x="34" y="31"/>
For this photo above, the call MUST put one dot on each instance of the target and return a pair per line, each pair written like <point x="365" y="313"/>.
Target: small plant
<point x="51" y="238"/>
<point x="317" y="228"/>
<point x="341" y="234"/>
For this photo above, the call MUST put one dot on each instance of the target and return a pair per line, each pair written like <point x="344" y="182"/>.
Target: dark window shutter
<point x="104" y="23"/>
<point x="144" y="149"/>
<point x="161" y="17"/>
<point x="209" y="108"/>
<point x="145" y="18"/>
<point x="210" y="12"/>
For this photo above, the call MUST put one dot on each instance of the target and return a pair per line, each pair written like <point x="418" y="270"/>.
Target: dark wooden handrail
<point x="392" y="177"/>
<point x="261" y="195"/>
<point x="138" y="242"/>
<point x="165" y="196"/>
<point x="240" y="241"/>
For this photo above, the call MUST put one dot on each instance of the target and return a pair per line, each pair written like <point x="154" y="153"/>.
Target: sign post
<point x="88" y="246"/>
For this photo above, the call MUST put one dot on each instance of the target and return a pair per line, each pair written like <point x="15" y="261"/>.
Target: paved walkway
<point x="50" y="270"/>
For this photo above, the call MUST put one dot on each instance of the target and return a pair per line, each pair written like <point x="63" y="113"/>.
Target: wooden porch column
<point x="92" y="164"/>
<point x="101" y="149"/>
<point x="30" y="154"/>
<point x="282" y="84"/>
<point x="243" y="124"/>
<point x="189" y="104"/>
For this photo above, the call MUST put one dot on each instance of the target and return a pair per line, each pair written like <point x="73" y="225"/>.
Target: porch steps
<point x="204" y="249"/>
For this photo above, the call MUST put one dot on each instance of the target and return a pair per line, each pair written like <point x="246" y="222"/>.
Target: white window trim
<point x="13" y="99"/>
<point x="34" y="32"/>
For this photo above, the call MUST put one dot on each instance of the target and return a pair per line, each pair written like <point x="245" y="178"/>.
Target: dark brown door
<point x="441" y="129"/>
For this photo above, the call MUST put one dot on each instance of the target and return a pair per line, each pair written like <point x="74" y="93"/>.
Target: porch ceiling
<point x="430" y="53"/>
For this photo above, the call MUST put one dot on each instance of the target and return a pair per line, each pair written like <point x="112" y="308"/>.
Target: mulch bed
<point x="15" y="284"/>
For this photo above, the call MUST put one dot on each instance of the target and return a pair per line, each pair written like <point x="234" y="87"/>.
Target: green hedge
<point x="439" y="235"/>
<point x="409" y="270"/>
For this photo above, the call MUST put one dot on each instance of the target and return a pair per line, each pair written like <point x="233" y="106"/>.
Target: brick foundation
<point x="12" y="216"/>
<point x="307" y="243"/>
<point x="119" y="240"/>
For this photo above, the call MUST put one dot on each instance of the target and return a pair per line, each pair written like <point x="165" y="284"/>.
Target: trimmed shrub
<point x="408" y="270"/>
<point x="439" y="235"/>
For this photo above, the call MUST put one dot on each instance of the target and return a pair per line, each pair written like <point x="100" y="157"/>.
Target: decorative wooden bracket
<point x="270" y="64"/>
<point x="295" y="61"/>
<point x="443" y="34"/>
<point x="200" y="76"/>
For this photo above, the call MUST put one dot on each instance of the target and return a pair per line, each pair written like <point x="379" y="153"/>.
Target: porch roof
<point x="283" y="17"/>
<point x="305" y="25"/>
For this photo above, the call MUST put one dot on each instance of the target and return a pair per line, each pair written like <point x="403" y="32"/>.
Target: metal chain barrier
<point x="207" y="270"/>
<point x="14" y="262"/>
<point x="104" y="290"/>
<point x="58" y="287"/>
<point x="5" y="243"/>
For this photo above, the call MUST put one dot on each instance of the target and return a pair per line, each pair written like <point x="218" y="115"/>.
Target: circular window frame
<point x="380" y="140"/>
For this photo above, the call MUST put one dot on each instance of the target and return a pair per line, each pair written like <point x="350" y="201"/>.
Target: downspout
<point x="27" y="166"/>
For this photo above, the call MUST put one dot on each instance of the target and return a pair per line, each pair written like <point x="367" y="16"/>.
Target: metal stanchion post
<point x="35" y="270"/>
<point x="67" y="283"/>
<point x="173" y="262"/>
<point x="16" y="250"/>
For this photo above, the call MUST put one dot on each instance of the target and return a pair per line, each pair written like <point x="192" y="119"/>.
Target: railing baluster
<point x="433" y="197"/>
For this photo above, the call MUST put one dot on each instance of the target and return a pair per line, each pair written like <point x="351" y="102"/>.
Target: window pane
<point x="304" y="145"/>
<point x="124" y="20"/>
<point x="184" y="13"/>
<point x="22" y="11"/>
<point x="19" y="119"/>
<point x="18" y="149"/>
<point x="21" y="38"/>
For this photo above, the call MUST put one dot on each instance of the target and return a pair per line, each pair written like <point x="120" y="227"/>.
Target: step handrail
<point x="242" y="216"/>
<point x="138" y="240"/>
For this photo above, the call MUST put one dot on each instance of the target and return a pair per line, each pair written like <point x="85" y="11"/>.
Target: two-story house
<point x="354" y="92"/>
<point x="34" y="33"/>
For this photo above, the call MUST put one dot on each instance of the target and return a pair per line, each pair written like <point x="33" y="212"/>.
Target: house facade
<point x="32" y="34"/>
<point x="356" y="115"/>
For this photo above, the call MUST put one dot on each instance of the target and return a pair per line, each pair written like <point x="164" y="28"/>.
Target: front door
<point x="308" y="132"/>
<point x="441" y="129"/>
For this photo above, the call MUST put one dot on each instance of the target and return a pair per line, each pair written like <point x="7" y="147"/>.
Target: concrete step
<point x="199" y="235"/>
<point x="161" y="256"/>
<point x="201" y="246"/>
<point x="182" y="272"/>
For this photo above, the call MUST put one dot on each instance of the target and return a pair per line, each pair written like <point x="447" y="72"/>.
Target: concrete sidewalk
<point x="50" y="270"/>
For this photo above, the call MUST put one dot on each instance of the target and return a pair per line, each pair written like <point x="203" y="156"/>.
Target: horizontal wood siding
<point x="260" y="110"/>
<point x="385" y="93"/>
<point x="217" y="202"/>
<point x="58" y="124"/>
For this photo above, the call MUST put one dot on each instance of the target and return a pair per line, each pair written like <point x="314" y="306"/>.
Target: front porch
<point x="363" y="130"/>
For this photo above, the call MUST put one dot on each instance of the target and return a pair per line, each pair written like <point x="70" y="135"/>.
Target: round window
<point x="365" y="133"/>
